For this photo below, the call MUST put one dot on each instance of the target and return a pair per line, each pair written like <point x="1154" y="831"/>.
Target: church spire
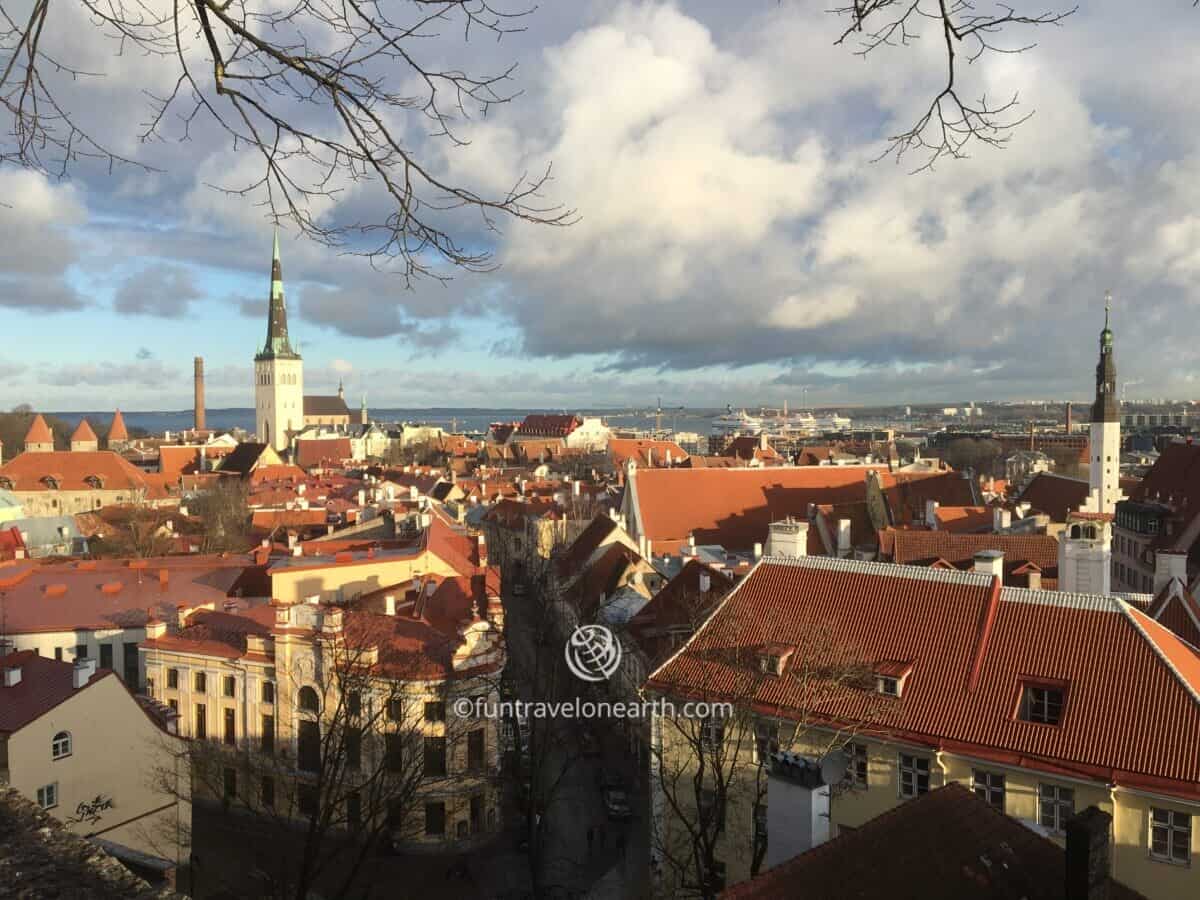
<point x="1104" y="409"/>
<point x="277" y="345"/>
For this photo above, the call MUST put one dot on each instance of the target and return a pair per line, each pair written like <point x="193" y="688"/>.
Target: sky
<point x="734" y="243"/>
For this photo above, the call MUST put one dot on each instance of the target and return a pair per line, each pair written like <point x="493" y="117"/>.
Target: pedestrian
<point x="591" y="837"/>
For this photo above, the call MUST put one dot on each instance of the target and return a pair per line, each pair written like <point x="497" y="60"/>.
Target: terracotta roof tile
<point x="39" y="432"/>
<point x="117" y="430"/>
<point x="44" y="684"/>
<point x="71" y="470"/>
<point x="83" y="432"/>
<point x="1054" y="495"/>
<point x="973" y="643"/>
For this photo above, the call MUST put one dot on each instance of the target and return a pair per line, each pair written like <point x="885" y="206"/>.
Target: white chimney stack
<point x="1001" y="519"/>
<point x="843" y="537"/>
<point x="83" y="672"/>
<point x="788" y="538"/>
<point x="990" y="562"/>
<point x="12" y="676"/>
<point x="705" y="582"/>
<point x="389" y="604"/>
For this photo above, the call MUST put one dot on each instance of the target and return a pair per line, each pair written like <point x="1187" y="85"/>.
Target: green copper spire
<point x="277" y="345"/>
<point x="1105" y="407"/>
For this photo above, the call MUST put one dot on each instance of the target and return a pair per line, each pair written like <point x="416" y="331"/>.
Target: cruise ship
<point x="800" y="424"/>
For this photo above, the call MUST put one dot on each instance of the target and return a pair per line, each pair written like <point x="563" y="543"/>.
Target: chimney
<point x="1088" y="855"/>
<point x="931" y="508"/>
<point x="1068" y="417"/>
<point x="758" y="550"/>
<point x="1035" y="580"/>
<point x="12" y="676"/>
<point x="291" y="540"/>
<point x="843" y="537"/>
<point x="1168" y="565"/>
<point x="389" y="604"/>
<point x="705" y="582"/>
<point x="83" y="672"/>
<point x="649" y="457"/>
<point x="990" y="562"/>
<point x="198" y="390"/>
<point x="1001" y="519"/>
<point x="788" y="538"/>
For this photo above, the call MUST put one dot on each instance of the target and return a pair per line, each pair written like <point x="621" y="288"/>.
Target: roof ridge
<point x="1141" y="629"/>
<point x="1069" y="599"/>
<point x="870" y="567"/>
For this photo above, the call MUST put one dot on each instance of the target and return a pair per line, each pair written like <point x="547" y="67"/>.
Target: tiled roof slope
<point x="83" y="432"/>
<point x="1176" y="607"/>
<point x="1174" y="477"/>
<point x="913" y="546"/>
<point x="117" y="430"/>
<point x="734" y="507"/>
<point x="44" y="684"/>
<point x="70" y="469"/>
<point x="1055" y="495"/>
<point x="314" y="451"/>
<point x="39" y="432"/>
<point x="624" y="449"/>
<point x="325" y="405"/>
<point x="541" y="425"/>
<point x="972" y="642"/>
<point x="981" y="854"/>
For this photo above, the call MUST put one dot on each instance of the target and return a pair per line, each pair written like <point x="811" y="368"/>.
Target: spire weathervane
<point x="1107" y="306"/>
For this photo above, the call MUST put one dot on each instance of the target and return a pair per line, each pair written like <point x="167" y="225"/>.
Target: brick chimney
<point x="198" y="388"/>
<point x="1068" y="417"/>
<point x="1088" y="855"/>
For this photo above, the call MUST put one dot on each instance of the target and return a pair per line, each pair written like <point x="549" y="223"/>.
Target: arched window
<point x="50" y="481"/>
<point x="308" y="701"/>
<point x="60" y="747"/>
<point x="1090" y="532"/>
<point x="94" y="482"/>
<point x="1075" y="531"/>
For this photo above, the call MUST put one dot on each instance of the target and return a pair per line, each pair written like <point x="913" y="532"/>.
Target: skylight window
<point x="1042" y="704"/>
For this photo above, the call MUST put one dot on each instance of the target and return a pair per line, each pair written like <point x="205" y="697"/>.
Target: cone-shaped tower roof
<point x="277" y="346"/>
<point x="117" y="431"/>
<point x="39" y="432"/>
<point x="83" y="433"/>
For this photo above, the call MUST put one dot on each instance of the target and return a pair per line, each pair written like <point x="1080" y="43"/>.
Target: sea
<point x="469" y="420"/>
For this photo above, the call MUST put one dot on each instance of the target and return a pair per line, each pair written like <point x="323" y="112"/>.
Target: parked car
<point x="616" y="804"/>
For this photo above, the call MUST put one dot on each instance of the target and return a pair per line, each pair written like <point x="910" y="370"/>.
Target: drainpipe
<point x="1112" y="833"/>
<point x="941" y="764"/>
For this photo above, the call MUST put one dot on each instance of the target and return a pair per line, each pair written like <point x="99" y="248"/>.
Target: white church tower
<point x="278" y="372"/>
<point x="1104" y="461"/>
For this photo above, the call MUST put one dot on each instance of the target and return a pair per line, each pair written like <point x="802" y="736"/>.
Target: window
<point x="435" y="818"/>
<point x="1041" y="704"/>
<point x="58" y="653"/>
<point x="173" y="679"/>
<point x="435" y="757"/>
<point x="1055" y="805"/>
<point x="230" y="782"/>
<point x="766" y="740"/>
<point x="60" y="747"/>
<point x="268" y="692"/>
<point x="230" y="727"/>
<point x="130" y="664"/>
<point x="47" y="796"/>
<point x="990" y="786"/>
<point x="200" y="683"/>
<point x="268" y="792"/>
<point x="393" y="751"/>
<point x="229" y="686"/>
<point x="106" y="656"/>
<point x="309" y="800"/>
<point x="309" y="749"/>
<point x="174" y="704"/>
<point x="308" y="701"/>
<point x="81" y="651"/>
<point x="354" y="703"/>
<point x="395" y="709"/>
<point x="856" y="771"/>
<point x="1170" y="836"/>
<point x="435" y="711"/>
<point x="475" y="750"/>
<point x="914" y="775"/>
<point x="268" y="734"/>
<point x="201" y="720"/>
<point x="888" y="686"/>
<point x="712" y="734"/>
<point x="353" y="742"/>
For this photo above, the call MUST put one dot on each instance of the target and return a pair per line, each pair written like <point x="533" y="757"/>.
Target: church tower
<point x="1104" y="461"/>
<point x="278" y="371"/>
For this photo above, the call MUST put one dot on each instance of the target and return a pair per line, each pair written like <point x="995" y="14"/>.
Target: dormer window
<point x="1042" y="703"/>
<point x="891" y="676"/>
<point x="774" y="658"/>
<point x="50" y="481"/>
<point x="94" y="482"/>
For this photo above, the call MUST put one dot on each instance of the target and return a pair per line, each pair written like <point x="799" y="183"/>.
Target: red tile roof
<point x="910" y="546"/>
<point x="576" y="556"/>
<point x="645" y="452"/>
<point x="100" y="594"/>
<point x="964" y="518"/>
<point x="734" y="507"/>
<point x="39" y="432"/>
<point x="71" y="469"/>
<point x="982" y="854"/>
<point x="679" y="604"/>
<point x="1054" y="495"/>
<point x="973" y="643"/>
<point x="540" y="425"/>
<point x="117" y="430"/>
<point x="44" y="684"/>
<point x="1175" y="607"/>
<point x="315" y="451"/>
<point x="83" y="432"/>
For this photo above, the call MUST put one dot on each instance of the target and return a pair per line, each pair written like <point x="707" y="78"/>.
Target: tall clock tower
<point x="278" y="371"/>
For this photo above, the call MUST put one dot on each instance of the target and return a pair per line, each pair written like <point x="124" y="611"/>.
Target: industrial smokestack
<point x="199" y="392"/>
<point x="1068" y="417"/>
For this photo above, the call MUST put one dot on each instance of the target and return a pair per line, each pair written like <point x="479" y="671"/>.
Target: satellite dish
<point x="833" y="767"/>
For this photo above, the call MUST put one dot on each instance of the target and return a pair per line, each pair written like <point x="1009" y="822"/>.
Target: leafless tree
<point x="952" y="121"/>
<point x="709" y="768"/>
<point x="134" y="531"/>
<point x="223" y="510"/>
<point x="349" y="782"/>
<point x="324" y="94"/>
